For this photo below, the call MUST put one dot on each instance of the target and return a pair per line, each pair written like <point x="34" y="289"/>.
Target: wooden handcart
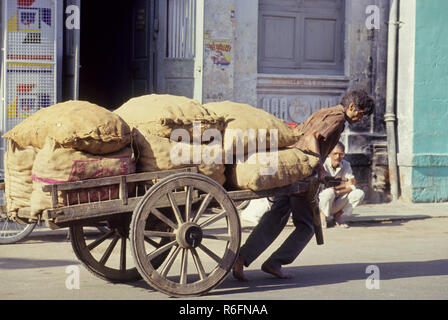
<point x="179" y="230"/>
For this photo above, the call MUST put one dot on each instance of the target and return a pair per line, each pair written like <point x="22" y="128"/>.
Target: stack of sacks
<point x="243" y="117"/>
<point x="79" y="125"/>
<point x="74" y="140"/>
<point x="254" y="166"/>
<point x="55" y="164"/>
<point x="154" y="118"/>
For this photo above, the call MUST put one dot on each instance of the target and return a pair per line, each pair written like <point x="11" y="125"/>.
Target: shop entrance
<point x="116" y="55"/>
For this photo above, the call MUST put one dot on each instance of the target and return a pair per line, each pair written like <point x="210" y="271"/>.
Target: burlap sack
<point x="243" y="117"/>
<point x="154" y="153"/>
<point x="292" y="165"/>
<point x="163" y="113"/>
<point x="73" y="124"/>
<point x="18" y="164"/>
<point x="55" y="164"/>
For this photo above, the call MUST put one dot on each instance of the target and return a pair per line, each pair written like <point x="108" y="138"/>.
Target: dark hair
<point x="361" y="100"/>
<point x="340" y="145"/>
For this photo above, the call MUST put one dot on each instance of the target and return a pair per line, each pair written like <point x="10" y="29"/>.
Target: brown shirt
<point x="329" y="123"/>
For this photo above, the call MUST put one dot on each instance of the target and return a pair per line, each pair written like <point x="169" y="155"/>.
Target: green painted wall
<point x="431" y="77"/>
<point x="430" y="141"/>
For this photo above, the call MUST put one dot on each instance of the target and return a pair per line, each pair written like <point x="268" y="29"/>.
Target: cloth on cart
<point x="79" y="125"/>
<point x="55" y="164"/>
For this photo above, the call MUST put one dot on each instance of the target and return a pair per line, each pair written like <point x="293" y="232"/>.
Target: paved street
<point x="410" y="258"/>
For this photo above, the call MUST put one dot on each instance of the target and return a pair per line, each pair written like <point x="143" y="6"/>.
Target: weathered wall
<point x="365" y="66"/>
<point x="218" y="50"/>
<point x="230" y="56"/>
<point x="245" y="67"/>
<point x="366" y="56"/>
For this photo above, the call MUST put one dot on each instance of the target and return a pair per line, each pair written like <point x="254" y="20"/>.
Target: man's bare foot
<point x="237" y="269"/>
<point x="340" y="222"/>
<point x="266" y="267"/>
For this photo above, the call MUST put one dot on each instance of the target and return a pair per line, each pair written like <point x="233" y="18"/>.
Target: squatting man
<point x="337" y="202"/>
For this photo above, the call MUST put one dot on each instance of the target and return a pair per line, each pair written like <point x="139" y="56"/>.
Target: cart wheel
<point x="99" y="252"/>
<point x="202" y="247"/>
<point x="12" y="232"/>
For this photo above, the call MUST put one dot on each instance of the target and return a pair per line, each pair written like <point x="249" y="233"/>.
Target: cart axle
<point x="189" y="235"/>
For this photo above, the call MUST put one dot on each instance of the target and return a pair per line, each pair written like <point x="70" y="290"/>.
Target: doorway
<point x="116" y="51"/>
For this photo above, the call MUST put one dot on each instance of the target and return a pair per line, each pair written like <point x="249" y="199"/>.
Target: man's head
<point x="337" y="155"/>
<point x="357" y="104"/>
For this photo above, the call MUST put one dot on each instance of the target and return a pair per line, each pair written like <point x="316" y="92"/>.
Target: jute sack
<point x="156" y="153"/>
<point x="18" y="164"/>
<point x="292" y="165"/>
<point x="163" y="113"/>
<point x="55" y="164"/>
<point x="73" y="124"/>
<point x="240" y="117"/>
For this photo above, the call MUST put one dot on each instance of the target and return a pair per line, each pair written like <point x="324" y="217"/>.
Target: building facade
<point x="289" y="57"/>
<point x="292" y="57"/>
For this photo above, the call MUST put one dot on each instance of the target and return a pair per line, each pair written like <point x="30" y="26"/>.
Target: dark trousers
<point x="270" y="226"/>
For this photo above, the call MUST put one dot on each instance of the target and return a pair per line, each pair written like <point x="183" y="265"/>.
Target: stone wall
<point x="219" y="60"/>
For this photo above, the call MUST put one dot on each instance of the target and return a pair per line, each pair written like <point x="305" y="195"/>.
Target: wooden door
<point x="176" y="47"/>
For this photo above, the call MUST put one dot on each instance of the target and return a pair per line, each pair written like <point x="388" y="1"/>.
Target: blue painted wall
<point x="430" y="141"/>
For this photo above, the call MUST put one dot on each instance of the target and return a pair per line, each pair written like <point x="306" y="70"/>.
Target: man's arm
<point x="345" y="188"/>
<point x="349" y="178"/>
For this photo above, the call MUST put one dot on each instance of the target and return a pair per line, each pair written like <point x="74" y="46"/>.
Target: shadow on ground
<point x="59" y="235"/>
<point x="307" y="276"/>
<point x="378" y="222"/>
<point x="23" y="263"/>
<point x="379" y="219"/>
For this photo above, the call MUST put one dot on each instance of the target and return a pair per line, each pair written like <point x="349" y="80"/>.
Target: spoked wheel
<point x="11" y="231"/>
<point x="240" y="206"/>
<point x="202" y="248"/>
<point x="107" y="255"/>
